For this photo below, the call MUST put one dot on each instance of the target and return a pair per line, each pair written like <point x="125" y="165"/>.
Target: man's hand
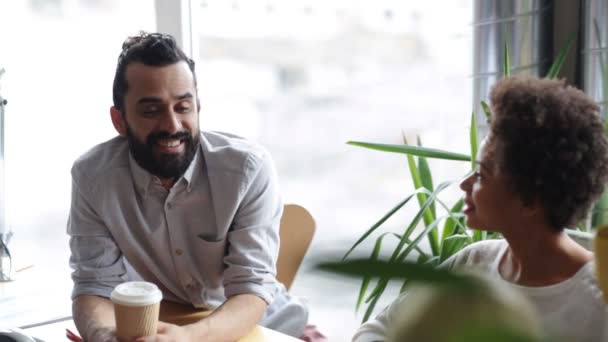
<point x="231" y="321"/>
<point x="94" y="318"/>
<point x="169" y="333"/>
<point x="228" y="323"/>
<point x="103" y="334"/>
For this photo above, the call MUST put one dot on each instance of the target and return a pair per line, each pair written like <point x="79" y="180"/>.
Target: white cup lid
<point x="136" y="293"/>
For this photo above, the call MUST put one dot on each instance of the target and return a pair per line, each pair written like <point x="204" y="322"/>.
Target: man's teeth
<point x="169" y="143"/>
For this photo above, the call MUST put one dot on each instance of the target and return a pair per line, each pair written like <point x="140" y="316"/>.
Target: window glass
<point x="59" y="57"/>
<point x="304" y="77"/>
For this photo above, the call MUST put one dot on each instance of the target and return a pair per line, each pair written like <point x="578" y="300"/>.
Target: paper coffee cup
<point x="136" y="307"/>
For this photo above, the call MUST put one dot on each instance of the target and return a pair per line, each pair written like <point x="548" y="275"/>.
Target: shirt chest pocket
<point x="210" y="259"/>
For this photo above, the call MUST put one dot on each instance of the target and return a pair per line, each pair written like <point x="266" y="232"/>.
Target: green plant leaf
<point x="374" y="256"/>
<point x="405" y="237"/>
<point x="582" y="226"/>
<point x="422" y="258"/>
<point x="405" y="283"/>
<point x="380" y="222"/>
<point x="456" y="216"/>
<point x="370" y="308"/>
<point x="473" y="141"/>
<point x="506" y="67"/>
<point x="494" y="332"/>
<point x="372" y="300"/>
<point x="433" y="194"/>
<point x="377" y="291"/>
<point x="412" y="225"/>
<point x="479" y="235"/>
<point x="476" y="235"/>
<point x="413" y="150"/>
<point x="413" y="243"/>
<point x="400" y="270"/>
<point x="453" y="244"/>
<point x="493" y="236"/>
<point x="418" y="183"/>
<point x="561" y="58"/>
<point x="486" y="110"/>
<point x="599" y="215"/>
<point x="431" y="213"/>
<point x="450" y="224"/>
<point x="426" y="177"/>
<point x="422" y="254"/>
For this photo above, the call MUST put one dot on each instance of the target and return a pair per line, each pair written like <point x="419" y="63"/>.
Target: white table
<point x="56" y="332"/>
<point x="39" y="302"/>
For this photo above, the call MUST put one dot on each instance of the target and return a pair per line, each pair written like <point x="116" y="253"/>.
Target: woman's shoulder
<point x="587" y="283"/>
<point x="477" y="254"/>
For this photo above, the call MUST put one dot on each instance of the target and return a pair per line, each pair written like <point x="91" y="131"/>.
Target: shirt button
<point x="179" y="252"/>
<point x="169" y="205"/>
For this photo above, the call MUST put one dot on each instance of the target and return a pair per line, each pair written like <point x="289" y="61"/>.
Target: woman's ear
<point x="532" y="207"/>
<point x="118" y="121"/>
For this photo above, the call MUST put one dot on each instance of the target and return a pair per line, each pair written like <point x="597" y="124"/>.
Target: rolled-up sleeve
<point x="254" y="235"/>
<point x="96" y="260"/>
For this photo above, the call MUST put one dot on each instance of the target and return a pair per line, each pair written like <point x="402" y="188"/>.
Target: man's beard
<point x="164" y="165"/>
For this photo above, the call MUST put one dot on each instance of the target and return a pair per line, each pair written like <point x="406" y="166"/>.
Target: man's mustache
<point x="153" y="138"/>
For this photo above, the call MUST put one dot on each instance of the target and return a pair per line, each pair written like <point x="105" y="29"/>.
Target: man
<point x="196" y="213"/>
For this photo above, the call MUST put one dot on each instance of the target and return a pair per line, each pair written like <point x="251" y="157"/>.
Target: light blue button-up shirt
<point x="213" y="235"/>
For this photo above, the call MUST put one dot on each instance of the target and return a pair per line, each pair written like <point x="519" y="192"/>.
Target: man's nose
<point x="170" y="123"/>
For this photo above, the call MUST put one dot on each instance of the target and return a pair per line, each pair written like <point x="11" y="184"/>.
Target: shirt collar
<point x="143" y="179"/>
<point x="192" y="169"/>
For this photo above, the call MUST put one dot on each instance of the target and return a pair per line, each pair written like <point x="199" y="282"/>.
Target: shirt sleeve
<point x="254" y="235"/>
<point x="377" y="329"/>
<point x="95" y="258"/>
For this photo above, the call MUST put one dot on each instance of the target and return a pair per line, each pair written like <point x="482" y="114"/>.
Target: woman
<point x="541" y="168"/>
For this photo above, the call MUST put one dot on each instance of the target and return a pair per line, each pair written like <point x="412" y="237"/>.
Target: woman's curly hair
<point x="549" y="141"/>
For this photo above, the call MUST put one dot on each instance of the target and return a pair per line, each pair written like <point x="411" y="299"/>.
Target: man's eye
<point x="151" y="110"/>
<point x="183" y="109"/>
<point x="477" y="174"/>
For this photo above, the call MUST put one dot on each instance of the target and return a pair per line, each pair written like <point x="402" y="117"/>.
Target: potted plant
<point x="442" y="224"/>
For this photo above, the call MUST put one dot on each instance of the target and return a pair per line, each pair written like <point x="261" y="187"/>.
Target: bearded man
<point x="196" y="213"/>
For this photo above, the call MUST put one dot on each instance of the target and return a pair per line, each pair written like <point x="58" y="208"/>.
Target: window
<point x="304" y="77"/>
<point x="300" y="77"/>
<point x="59" y="57"/>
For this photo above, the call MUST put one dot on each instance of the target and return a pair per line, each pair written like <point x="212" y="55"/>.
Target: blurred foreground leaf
<point x="400" y="270"/>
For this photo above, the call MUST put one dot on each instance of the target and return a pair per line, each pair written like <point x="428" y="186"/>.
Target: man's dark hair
<point x="550" y="143"/>
<point x="154" y="49"/>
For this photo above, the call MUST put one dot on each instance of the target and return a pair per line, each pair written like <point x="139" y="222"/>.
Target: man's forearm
<point x="94" y="317"/>
<point x="231" y="321"/>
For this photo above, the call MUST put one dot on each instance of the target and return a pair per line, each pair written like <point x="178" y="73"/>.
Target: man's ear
<point x="118" y="121"/>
